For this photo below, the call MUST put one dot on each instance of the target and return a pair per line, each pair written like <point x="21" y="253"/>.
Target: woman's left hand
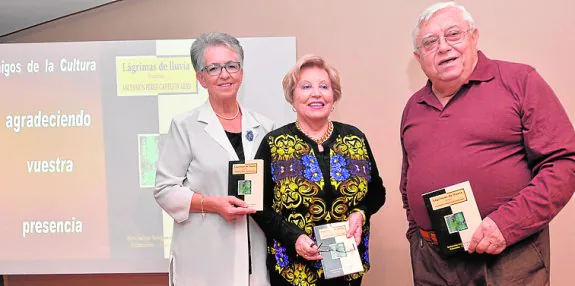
<point x="355" y="222"/>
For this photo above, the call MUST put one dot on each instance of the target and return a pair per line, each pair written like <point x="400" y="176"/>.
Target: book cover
<point x="454" y="216"/>
<point x="340" y="255"/>
<point x="246" y="181"/>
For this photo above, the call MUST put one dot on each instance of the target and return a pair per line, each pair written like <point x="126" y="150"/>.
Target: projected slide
<point x="83" y="126"/>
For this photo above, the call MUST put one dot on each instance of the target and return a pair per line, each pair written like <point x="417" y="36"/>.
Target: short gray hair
<point x="213" y="40"/>
<point x="432" y="9"/>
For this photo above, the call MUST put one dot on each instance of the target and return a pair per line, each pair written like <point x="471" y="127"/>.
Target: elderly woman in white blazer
<point x="214" y="242"/>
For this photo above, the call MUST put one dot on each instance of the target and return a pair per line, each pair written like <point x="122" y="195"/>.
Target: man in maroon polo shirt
<point x="497" y="125"/>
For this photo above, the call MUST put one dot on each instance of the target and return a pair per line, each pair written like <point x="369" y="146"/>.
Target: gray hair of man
<point x="431" y="10"/>
<point x="213" y="40"/>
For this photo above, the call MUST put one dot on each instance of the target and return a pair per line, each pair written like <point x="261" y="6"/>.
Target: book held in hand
<point x="340" y="255"/>
<point x="246" y="182"/>
<point x="454" y="216"/>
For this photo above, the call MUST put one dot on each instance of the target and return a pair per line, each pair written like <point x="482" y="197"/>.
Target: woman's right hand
<point x="306" y="248"/>
<point x="228" y="207"/>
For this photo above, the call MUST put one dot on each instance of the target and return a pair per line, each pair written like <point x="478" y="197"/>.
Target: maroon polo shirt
<point x="507" y="133"/>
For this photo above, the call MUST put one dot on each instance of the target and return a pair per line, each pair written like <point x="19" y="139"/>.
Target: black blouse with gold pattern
<point x="305" y="188"/>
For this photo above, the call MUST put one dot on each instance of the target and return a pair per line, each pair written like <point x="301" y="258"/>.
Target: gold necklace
<point x="320" y="140"/>
<point x="229" y="118"/>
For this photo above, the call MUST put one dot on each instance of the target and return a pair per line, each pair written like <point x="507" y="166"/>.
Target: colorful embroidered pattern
<point x="365" y="242"/>
<point x="299" y="195"/>
<point x="280" y="254"/>
<point x="312" y="171"/>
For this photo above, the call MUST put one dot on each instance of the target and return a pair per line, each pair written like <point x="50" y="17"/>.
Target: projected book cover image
<point x="339" y="254"/>
<point x="454" y="216"/>
<point x="246" y="181"/>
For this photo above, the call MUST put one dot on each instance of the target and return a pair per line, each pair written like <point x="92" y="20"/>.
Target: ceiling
<point x="16" y="15"/>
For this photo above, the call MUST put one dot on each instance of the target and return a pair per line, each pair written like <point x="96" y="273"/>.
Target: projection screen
<point x="83" y="122"/>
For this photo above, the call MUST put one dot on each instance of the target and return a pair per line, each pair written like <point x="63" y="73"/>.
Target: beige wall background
<point x="370" y="43"/>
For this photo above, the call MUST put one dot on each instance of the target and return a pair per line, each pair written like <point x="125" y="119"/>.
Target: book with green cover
<point x="454" y="216"/>
<point x="339" y="253"/>
<point x="246" y="181"/>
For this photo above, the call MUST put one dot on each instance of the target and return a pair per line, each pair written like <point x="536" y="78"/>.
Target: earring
<point x="293" y="108"/>
<point x="332" y="108"/>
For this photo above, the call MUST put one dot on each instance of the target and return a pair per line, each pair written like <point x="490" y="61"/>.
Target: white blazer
<point x="194" y="158"/>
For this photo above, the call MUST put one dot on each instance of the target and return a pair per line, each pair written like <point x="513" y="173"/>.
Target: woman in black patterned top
<point x="316" y="172"/>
